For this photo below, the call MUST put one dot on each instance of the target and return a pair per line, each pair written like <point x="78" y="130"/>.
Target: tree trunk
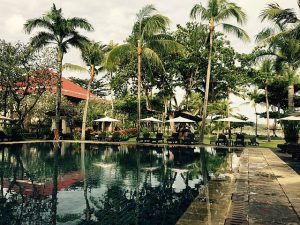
<point x="54" y="184"/>
<point x="58" y="90"/>
<point x="139" y="49"/>
<point x="268" y="114"/>
<point x="86" y="106"/>
<point x="112" y="98"/>
<point x="211" y="28"/>
<point x="88" y="207"/>
<point x="291" y="93"/>
<point x="255" y="110"/>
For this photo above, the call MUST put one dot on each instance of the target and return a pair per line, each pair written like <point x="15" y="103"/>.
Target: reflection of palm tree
<point x="205" y="176"/>
<point x="54" y="183"/>
<point x="88" y="211"/>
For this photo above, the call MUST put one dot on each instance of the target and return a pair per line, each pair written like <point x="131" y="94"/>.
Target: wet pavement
<point x="264" y="190"/>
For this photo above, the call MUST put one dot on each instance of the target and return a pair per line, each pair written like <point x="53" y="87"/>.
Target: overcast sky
<point x="113" y="19"/>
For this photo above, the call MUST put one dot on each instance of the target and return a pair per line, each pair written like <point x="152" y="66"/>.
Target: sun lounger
<point x="240" y="140"/>
<point x="253" y="142"/>
<point x="145" y="138"/>
<point x="222" y="139"/>
<point x="189" y="139"/>
<point x="174" y="138"/>
<point x="158" y="137"/>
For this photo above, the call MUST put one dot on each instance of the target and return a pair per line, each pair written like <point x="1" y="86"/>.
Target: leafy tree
<point x="24" y="77"/>
<point x="63" y="34"/>
<point x="148" y="41"/>
<point x="216" y="12"/>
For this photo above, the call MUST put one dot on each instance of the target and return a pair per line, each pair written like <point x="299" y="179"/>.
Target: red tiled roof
<point x="73" y="90"/>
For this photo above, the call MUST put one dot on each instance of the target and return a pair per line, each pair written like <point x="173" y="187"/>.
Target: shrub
<point x="291" y="131"/>
<point x="77" y="136"/>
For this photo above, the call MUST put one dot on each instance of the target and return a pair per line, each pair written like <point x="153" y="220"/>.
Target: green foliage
<point x="76" y="135"/>
<point x="98" y="86"/>
<point x="291" y="130"/>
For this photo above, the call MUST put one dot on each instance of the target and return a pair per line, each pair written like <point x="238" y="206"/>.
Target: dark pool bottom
<point x="102" y="184"/>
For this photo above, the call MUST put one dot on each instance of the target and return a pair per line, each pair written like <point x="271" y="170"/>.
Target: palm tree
<point x="282" y="17"/>
<point x="254" y="96"/>
<point x="148" y="42"/>
<point x="283" y="39"/>
<point x="267" y="74"/>
<point x="63" y="34"/>
<point x="92" y="54"/>
<point x="216" y="12"/>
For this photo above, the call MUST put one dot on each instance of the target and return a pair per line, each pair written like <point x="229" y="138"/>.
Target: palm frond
<point x="265" y="34"/>
<point x="240" y="33"/>
<point x="155" y="24"/>
<point x="153" y="57"/>
<point x="73" y="67"/>
<point x="42" y="39"/>
<point x="167" y="47"/>
<point x="231" y="10"/>
<point x="275" y="13"/>
<point x="145" y="12"/>
<point x="76" y="40"/>
<point x="202" y="12"/>
<point x="118" y="54"/>
<point x="37" y="23"/>
<point x="92" y="53"/>
<point x="76" y="22"/>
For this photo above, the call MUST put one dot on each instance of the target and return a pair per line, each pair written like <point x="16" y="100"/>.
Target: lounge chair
<point x="222" y="139"/>
<point x="253" y="141"/>
<point x="158" y="137"/>
<point x="174" y="138"/>
<point x="189" y="139"/>
<point x="240" y="140"/>
<point x="145" y="138"/>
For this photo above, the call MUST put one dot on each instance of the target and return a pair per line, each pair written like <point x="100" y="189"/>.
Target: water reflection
<point x="97" y="184"/>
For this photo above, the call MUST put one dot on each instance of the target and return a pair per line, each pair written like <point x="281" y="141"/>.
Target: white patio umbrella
<point x="290" y="118"/>
<point x="180" y="120"/>
<point x="107" y="119"/>
<point x="231" y="120"/>
<point x="151" y="119"/>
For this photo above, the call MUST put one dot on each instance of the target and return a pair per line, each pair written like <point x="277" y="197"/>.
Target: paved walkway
<point x="264" y="190"/>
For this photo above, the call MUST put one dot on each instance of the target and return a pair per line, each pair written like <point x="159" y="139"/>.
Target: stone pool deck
<point x="264" y="190"/>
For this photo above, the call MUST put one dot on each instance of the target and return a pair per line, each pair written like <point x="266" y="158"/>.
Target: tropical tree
<point x="283" y="40"/>
<point x="282" y="17"/>
<point x="148" y="42"/>
<point x="254" y="97"/>
<point x="216" y="12"/>
<point x="266" y="76"/>
<point x="63" y="34"/>
<point x="93" y="55"/>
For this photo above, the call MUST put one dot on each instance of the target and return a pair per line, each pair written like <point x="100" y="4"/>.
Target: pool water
<point x="75" y="183"/>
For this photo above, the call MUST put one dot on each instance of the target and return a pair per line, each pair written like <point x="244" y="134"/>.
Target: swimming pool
<point x="71" y="183"/>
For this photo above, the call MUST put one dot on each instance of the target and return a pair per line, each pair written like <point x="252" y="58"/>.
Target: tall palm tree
<point x="283" y="41"/>
<point x="92" y="54"/>
<point x="254" y="96"/>
<point x="267" y="74"/>
<point x="216" y="13"/>
<point x="63" y="34"/>
<point x="148" y="42"/>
